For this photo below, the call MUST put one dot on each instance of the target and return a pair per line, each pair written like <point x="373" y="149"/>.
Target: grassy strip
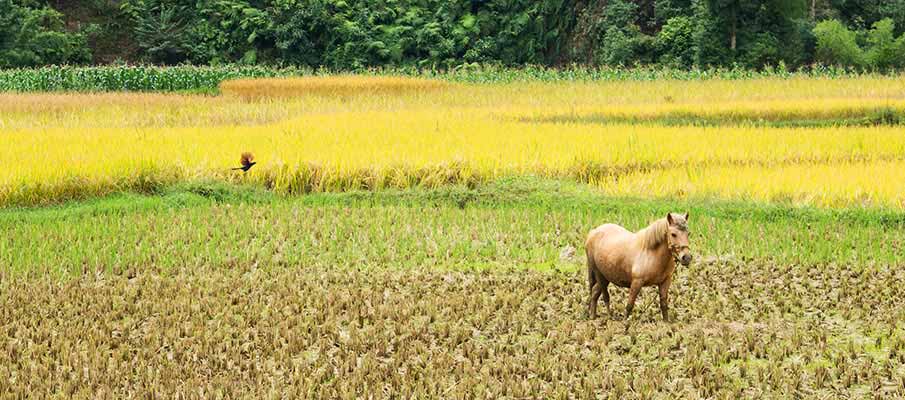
<point x="205" y="79"/>
<point x="309" y="178"/>
<point x="517" y="222"/>
<point x="882" y="116"/>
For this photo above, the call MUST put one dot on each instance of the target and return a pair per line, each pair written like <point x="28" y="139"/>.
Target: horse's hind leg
<point x="604" y="289"/>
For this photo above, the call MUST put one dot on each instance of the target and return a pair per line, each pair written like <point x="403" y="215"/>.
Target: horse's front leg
<point x="664" y="300"/>
<point x="632" y="296"/>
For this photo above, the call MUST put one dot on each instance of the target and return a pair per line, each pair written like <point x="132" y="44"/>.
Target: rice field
<point x="406" y="132"/>
<point x="429" y="334"/>
<point x="410" y="238"/>
<point x="209" y="291"/>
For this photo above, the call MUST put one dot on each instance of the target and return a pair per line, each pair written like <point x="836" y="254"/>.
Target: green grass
<point x="521" y="222"/>
<point x="881" y="116"/>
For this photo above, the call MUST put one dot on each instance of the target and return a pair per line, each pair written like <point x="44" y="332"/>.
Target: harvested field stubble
<point x="742" y="330"/>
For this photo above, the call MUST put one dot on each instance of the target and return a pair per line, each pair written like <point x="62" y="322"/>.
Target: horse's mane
<point x="653" y="235"/>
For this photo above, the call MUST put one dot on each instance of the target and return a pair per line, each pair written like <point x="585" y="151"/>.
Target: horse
<point x="634" y="260"/>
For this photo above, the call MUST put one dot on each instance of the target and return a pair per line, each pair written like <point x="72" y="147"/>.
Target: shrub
<point x="675" y="42"/>
<point x="884" y="50"/>
<point x="837" y="45"/>
<point x="621" y="39"/>
<point x="618" y="48"/>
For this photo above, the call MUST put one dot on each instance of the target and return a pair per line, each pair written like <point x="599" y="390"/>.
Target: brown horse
<point x="635" y="260"/>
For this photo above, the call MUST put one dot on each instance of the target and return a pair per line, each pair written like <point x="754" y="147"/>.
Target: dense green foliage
<point x="836" y="44"/>
<point x="131" y="78"/>
<point x="35" y="36"/>
<point x="206" y="79"/>
<point x="354" y="34"/>
<point x="345" y="34"/>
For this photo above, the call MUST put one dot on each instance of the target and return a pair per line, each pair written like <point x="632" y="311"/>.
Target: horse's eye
<point x="673" y="235"/>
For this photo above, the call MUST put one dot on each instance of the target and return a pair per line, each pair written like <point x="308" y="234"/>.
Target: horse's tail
<point x="592" y="276"/>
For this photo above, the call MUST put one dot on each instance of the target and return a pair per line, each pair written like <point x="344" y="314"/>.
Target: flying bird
<point x="247" y="161"/>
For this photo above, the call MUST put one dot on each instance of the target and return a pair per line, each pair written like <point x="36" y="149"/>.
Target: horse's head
<point x="677" y="237"/>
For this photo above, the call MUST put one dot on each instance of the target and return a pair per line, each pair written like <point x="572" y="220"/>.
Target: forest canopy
<point x="354" y="34"/>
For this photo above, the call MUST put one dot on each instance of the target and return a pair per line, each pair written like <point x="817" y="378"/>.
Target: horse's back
<point x="606" y="231"/>
<point x="607" y="248"/>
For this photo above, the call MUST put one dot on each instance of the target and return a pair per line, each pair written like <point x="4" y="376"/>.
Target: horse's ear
<point x="686" y="216"/>
<point x="669" y="218"/>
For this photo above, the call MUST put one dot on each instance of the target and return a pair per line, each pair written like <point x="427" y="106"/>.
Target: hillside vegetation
<point x="436" y="34"/>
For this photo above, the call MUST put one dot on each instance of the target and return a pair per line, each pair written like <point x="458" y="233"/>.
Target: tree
<point x="664" y="10"/>
<point x="837" y="45"/>
<point x="36" y="36"/>
<point x="894" y="10"/>
<point x="159" y="29"/>
<point x="620" y="39"/>
<point x="884" y="50"/>
<point x="753" y="30"/>
<point x="728" y="13"/>
<point x="675" y="42"/>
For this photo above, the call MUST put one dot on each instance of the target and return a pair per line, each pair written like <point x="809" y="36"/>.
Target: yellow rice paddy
<point x="399" y="134"/>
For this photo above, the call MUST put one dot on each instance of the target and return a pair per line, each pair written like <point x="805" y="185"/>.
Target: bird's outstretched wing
<point x="246" y="159"/>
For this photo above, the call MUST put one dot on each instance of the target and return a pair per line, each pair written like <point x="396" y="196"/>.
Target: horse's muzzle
<point x="685" y="259"/>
